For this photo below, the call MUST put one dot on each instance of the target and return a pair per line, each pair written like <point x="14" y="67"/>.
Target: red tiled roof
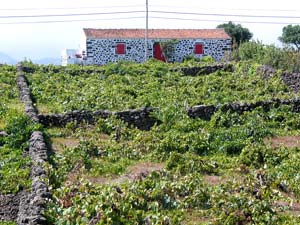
<point x="156" y="33"/>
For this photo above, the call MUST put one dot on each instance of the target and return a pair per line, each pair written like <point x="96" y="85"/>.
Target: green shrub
<point x="280" y="58"/>
<point x="19" y="129"/>
<point x="189" y="163"/>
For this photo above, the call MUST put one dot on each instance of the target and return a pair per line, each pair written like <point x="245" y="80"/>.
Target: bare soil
<point x="195" y="217"/>
<point x="134" y="172"/>
<point x="58" y="144"/>
<point x="292" y="208"/>
<point x="213" y="180"/>
<point x="284" y="141"/>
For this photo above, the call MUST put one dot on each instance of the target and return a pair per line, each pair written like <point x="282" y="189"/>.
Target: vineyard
<point x="123" y="147"/>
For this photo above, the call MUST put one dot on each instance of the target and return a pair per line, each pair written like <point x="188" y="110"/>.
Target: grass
<point x="7" y="223"/>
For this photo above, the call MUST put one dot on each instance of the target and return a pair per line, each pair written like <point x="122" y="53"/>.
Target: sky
<point x="34" y="29"/>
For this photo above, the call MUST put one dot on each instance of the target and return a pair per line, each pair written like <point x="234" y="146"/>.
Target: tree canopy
<point x="238" y="33"/>
<point x="291" y="35"/>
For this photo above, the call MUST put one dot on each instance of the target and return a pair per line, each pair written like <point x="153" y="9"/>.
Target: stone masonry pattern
<point x="103" y="51"/>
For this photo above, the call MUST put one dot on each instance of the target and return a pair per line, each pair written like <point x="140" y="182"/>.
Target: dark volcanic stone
<point x="9" y="206"/>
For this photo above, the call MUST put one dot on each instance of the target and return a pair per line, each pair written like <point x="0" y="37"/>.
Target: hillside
<point x="48" y="61"/>
<point x="125" y="149"/>
<point x="6" y="59"/>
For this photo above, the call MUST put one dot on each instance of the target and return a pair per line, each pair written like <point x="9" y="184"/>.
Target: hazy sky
<point x="38" y="37"/>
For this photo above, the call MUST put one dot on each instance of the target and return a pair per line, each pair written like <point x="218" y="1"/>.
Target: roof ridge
<point x="155" y="33"/>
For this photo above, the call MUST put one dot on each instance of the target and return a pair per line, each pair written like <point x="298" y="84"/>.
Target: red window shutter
<point x="198" y="48"/>
<point x="120" y="48"/>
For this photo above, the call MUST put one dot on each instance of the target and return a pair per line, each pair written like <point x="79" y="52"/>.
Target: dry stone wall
<point x="140" y="118"/>
<point x="205" y="112"/>
<point x="25" y="95"/>
<point x="32" y="204"/>
<point x="28" y="207"/>
<point x="204" y="70"/>
<point x="9" y="206"/>
<point x="292" y="80"/>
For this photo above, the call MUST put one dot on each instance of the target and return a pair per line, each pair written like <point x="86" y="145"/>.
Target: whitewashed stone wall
<point x="103" y="51"/>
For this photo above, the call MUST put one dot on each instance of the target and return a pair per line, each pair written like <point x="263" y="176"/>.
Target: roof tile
<point x="156" y="33"/>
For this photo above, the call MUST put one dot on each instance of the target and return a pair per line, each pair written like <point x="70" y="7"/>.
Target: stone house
<point x="111" y="45"/>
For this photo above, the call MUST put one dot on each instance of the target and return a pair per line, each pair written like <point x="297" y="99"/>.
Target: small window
<point x="120" y="48"/>
<point x="198" y="48"/>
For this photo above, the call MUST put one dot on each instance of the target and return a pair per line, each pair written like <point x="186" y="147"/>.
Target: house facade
<point x="112" y="45"/>
<point x="72" y="56"/>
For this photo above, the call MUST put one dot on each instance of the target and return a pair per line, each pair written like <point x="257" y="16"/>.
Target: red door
<point x="157" y="52"/>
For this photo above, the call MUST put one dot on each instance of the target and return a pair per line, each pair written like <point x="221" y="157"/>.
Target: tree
<point x="291" y="35"/>
<point x="238" y="33"/>
<point x="168" y="48"/>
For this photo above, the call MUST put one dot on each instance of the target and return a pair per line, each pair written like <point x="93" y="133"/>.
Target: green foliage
<point x="252" y="50"/>
<point x="168" y="48"/>
<point x="128" y="85"/>
<point x="238" y="33"/>
<point x="7" y="223"/>
<point x="14" y="166"/>
<point x="19" y="128"/>
<point x="255" y="51"/>
<point x="220" y="170"/>
<point x="285" y="173"/>
<point x="250" y="202"/>
<point x="259" y="155"/>
<point x="291" y="35"/>
<point x="189" y="163"/>
<point x="137" y="202"/>
<point x="208" y="59"/>
<point x="8" y="89"/>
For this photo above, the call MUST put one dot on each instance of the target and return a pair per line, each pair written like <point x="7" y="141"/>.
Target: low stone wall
<point x="9" y="206"/>
<point x="28" y="207"/>
<point x="204" y="70"/>
<point x="140" y="118"/>
<point x="25" y="95"/>
<point x="292" y="80"/>
<point x="266" y="71"/>
<point x="58" y="69"/>
<point x="32" y="205"/>
<point x="205" y="112"/>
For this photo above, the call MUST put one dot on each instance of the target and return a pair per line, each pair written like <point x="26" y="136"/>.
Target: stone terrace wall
<point x="139" y="118"/>
<point x="9" y="206"/>
<point x="206" y="111"/>
<point x="32" y="206"/>
<point x="57" y="69"/>
<point x="204" y="70"/>
<point x="292" y="80"/>
<point x="25" y="96"/>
